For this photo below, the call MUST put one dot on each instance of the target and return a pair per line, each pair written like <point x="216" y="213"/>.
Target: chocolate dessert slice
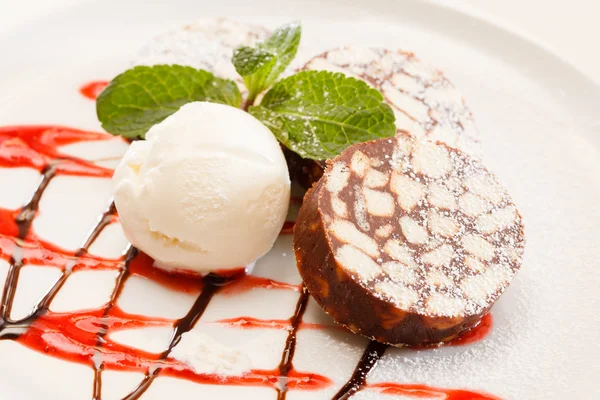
<point x="407" y="241"/>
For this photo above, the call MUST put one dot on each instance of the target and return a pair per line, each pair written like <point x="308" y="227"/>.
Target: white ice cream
<point x="207" y="190"/>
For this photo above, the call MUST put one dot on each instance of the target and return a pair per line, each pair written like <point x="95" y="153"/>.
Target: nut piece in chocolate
<point x="406" y="241"/>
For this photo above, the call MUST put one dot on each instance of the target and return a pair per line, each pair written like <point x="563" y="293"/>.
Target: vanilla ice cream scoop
<point x="207" y="190"/>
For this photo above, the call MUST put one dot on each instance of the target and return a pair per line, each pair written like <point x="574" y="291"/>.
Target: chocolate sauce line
<point x="358" y="380"/>
<point x="122" y="277"/>
<point x="287" y="356"/>
<point x="10" y="329"/>
<point x="141" y="388"/>
<point x="104" y="221"/>
<point x="23" y="222"/>
<point x="27" y="214"/>
<point x="44" y="304"/>
<point x="212" y="284"/>
<point x="8" y="292"/>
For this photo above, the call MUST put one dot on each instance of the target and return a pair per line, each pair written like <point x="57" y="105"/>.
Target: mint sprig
<point x="143" y="96"/>
<point x="318" y="114"/>
<point x="261" y="66"/>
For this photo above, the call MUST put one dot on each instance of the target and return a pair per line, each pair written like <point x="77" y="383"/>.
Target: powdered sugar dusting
<point x="459" y="238"/>
<point x="207" y="356"/>
<point x="206" y="44"/>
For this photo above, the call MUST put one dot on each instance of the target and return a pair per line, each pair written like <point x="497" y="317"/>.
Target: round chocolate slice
<point x="407" y="241"/>
<point x="426" y="104"/>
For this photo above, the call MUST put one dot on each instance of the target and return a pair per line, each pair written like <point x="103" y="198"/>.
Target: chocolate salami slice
<point x="407" y="241"/>
<point x="426" y="104"/>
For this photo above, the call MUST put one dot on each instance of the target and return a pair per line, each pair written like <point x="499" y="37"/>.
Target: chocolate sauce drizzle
<point x="10" y="329"/>
<point x="287" y="356"/>
<point x="212" y="283"/>
<point x="28" y="213"/>
<point x="98" y="367"/>
<point x="105" y="220"/>
<point x="358" y="380"/>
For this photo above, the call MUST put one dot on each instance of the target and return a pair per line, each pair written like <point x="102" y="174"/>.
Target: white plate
<point x="541" y="135"/>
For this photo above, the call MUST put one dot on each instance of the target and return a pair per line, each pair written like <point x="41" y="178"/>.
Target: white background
<point x="567" y="27"/>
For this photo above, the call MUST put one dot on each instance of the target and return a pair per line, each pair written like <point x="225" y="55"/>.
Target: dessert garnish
<point x="207" y="178"/>
<point x="260" y="66"/>
<point x="141" y="97"/>
<point x="407" y="241"/>
<point x="316" y="114"/>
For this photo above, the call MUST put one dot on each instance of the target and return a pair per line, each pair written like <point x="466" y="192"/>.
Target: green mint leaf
<point x="284" y="44"/>
<point x="261" y="66"/>
<point x="318" y="114"/>
<point x="143" y="96"/>
<point x="247" y="60"/>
